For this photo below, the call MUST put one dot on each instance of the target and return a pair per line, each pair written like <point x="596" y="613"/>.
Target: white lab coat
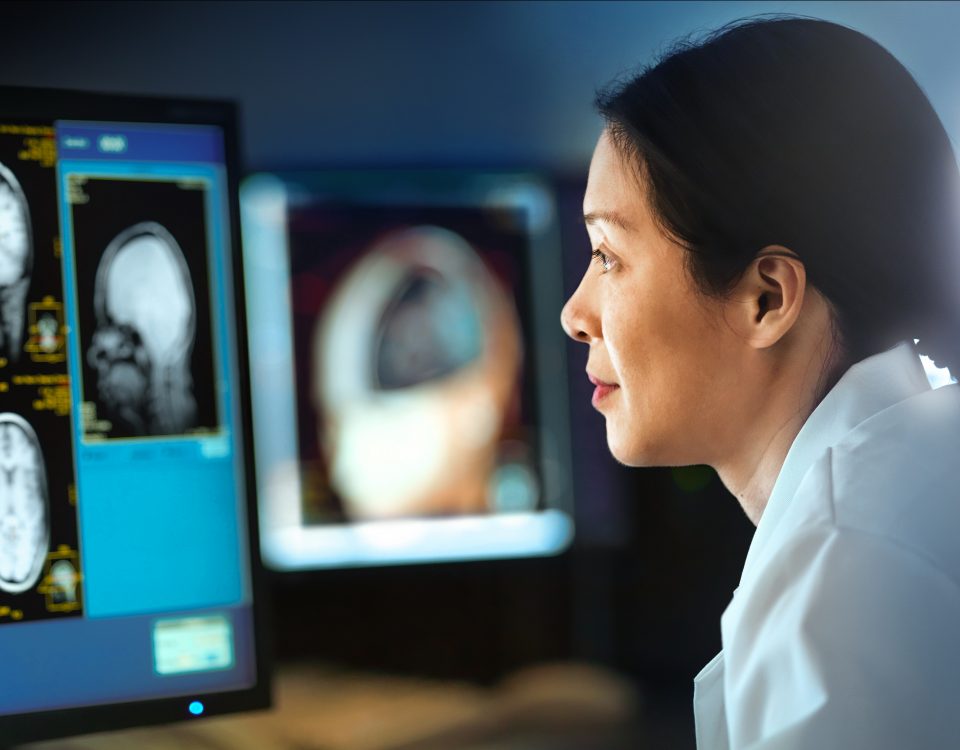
<point x="845" y="629"/>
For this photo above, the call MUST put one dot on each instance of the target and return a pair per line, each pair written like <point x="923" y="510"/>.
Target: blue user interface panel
<point x="123" y="533"/>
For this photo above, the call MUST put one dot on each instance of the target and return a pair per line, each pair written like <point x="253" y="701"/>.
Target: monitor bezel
<point x="48" y="105"/>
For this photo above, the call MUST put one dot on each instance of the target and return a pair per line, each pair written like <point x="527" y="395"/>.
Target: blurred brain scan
<point x="24" y="505"/>
<point x="64" y="578"/>
<point x="415" y="359"/>
<point x="49" y="329"/>
<point x="145" y="326"/>
<point x="16" y="259"/>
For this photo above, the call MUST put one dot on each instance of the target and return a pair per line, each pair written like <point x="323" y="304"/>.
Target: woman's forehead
<point x="614" y="196"/>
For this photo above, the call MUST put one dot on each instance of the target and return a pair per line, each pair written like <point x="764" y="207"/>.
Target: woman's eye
<point x="606" y="262"/>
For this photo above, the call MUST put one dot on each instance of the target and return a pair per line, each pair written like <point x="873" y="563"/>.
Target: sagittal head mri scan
<point x="415" y="360"/>
<point x="64" y="578"/>
<point x="145" y="327"/>
<point x="24" y="505"/>
<point x="16" y="260"/>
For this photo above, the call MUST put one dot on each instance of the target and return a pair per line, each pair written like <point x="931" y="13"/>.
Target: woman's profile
<point x="774" y="214"/>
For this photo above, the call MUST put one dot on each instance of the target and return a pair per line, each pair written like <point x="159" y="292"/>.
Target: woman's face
<point x="670" y="360"/>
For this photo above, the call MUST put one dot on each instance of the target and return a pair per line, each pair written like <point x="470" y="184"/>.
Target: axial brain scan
<point x="146" y="320"/>
<point x="16" y="256"/>
<point x="24" y="505"/>
<point x="415" y="361"/>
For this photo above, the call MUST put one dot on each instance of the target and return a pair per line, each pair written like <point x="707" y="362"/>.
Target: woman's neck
<point x="751" y="478"/>
<point x="786" y="396"/>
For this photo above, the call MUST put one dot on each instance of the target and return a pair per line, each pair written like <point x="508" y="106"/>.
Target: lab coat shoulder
<point x="897" y="477"/>
<point x="844" y="633"/>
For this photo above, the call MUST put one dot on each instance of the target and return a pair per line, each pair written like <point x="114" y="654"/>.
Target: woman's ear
<point x="768" y="298"/>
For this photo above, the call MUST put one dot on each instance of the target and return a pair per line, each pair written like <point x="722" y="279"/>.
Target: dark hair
<point x="806" y="134"/>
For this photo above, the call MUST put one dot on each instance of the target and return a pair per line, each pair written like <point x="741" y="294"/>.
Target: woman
<point x="774" y="216"/>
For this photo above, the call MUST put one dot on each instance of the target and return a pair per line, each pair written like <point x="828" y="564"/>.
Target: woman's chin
<point x="626" y="451"/>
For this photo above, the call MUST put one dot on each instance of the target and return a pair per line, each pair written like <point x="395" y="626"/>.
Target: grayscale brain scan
<point x="415" y="362"/>
<point x="64" y="578"/>
<point x="48" y="329"/>
<point x="16" y="260"/>
<point x="145" y="328"/>
<point x="24" y="505"/>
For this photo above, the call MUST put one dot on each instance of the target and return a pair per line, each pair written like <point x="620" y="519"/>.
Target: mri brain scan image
<point x="49" y="329"/>
<point x="416" y="359"/>
<point x="145" y="328"/>
<point x="64" y="578"/>
<point x="16" y="259"/>
<point x="24" y="505"/>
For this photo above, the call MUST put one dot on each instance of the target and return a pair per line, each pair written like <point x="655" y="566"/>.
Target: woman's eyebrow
<point x="610" y="217"/>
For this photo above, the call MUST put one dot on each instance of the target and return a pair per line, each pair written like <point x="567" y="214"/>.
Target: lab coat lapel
<point x="867" y="388"/>
<point x="708" y="706"/>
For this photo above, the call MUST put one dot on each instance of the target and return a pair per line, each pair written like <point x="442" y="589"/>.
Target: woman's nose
<point x="574" y="321"/>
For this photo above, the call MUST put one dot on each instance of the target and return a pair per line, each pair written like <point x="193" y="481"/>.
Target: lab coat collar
<point x="868" y="387"/>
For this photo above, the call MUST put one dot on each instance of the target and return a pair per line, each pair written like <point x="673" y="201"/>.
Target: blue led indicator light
<point x="196" y="708"/>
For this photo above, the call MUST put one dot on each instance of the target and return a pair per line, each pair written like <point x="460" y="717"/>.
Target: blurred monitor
<point x="407" y="367"/>
<point x="127" y="535"/>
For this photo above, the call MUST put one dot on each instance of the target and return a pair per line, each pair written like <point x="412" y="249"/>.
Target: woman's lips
<point x="601" y="391"/>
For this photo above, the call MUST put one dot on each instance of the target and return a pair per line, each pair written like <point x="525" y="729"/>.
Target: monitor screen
<point x="407" y="366"/>
<point x="126" y="583"/>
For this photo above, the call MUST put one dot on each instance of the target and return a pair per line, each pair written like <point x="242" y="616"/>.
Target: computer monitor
<point x="408" y="367"/>
<point x="127" y="536"/>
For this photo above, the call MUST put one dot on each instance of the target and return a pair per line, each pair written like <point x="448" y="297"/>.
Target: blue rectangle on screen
<point x="141" y="498"/>
<point x="131" y="142"/>
<point x="146" y="510"/>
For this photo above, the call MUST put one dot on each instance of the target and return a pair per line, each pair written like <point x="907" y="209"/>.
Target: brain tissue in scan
<point x="415" y="363"/>
<point x="16" y="257"/>
<point x="24" y="505"/>
<point x="145" y="328"/>
<point x="64" y="578"/>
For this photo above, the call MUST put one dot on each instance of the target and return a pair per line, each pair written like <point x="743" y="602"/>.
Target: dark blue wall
<point x="424" y="82"/>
